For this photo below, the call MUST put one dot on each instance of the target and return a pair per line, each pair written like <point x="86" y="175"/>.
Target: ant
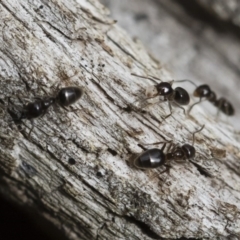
<point x="204" y="92"/>
<point x="178" y="95"/>
<point x="65" y="97"/>
<point x="153" y="158"/>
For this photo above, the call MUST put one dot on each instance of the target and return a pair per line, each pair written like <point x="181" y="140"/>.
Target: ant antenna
<point x="199" y="130"/>
<point x="187" y="80"/>
<point x="147" y="77"/>
<point x="156" y="78"/>
<point x="200" y="100"/>
<point x="156" y="143"/>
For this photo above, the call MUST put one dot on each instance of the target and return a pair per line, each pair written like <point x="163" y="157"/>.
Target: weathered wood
<point x="103" y="196"/>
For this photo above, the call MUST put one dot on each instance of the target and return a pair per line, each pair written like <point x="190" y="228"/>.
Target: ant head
<point x="178" y="154"/>
<point x="164" y="88"/>
<point x="189" y="151"/>
<point x="202" y="91"/>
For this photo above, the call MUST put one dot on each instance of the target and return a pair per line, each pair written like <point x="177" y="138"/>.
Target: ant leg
<point x="180" y="161"/>
<point x="144" y="100"/>
<point x="163" y="147"/>
<point x="66" y="109"/>
<point x="219" y="105"/>
<point x="74" y="110"/>
<point x="172" y="147"/>
<point x="199" y="130"/>
<point x="31" y="128"/>
<point x="160" y="101"/>
<point x="38" y="98"/>
<point x="167" y="169"/>
<point x="200" y="100"/>
<point x="170" y="108"/>
<point x="181" y="107"/>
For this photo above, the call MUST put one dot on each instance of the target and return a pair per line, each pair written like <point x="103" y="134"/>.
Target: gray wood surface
<point x="47" y="45"/>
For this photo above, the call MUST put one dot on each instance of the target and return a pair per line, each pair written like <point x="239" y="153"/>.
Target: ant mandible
<point x="65" y="97"/>
<point x="178" y="95"/>
<point x="153" y="158"/>
<point x="204" y="92"/>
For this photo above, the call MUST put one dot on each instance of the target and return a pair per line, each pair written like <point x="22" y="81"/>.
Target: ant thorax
<point x="151" y="91"/>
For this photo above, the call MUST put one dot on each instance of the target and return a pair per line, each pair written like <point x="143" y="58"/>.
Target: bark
<point x="47" y="45"/>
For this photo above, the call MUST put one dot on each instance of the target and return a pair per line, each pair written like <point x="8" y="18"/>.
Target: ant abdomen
<point x="225" y="106"/>
<point x="69" y="95"/>
<point x="151" y="158"/>
<point x="181" y="96"/>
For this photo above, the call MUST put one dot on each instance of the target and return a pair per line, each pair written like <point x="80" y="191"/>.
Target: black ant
<point x="65" y="97"/>
<point x="204" y="92"/>
<point x="178" y="95"/>
<point x="153" y="158"/>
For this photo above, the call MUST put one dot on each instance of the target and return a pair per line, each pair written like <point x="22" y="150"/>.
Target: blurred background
<point x="197" y="40"/>
<point x="193" y="39"/>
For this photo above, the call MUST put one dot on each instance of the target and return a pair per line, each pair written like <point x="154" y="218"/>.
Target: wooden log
<point x="49" y="45"/>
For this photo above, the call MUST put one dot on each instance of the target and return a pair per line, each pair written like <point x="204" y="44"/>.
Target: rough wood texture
<point x="104" y="196"/>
